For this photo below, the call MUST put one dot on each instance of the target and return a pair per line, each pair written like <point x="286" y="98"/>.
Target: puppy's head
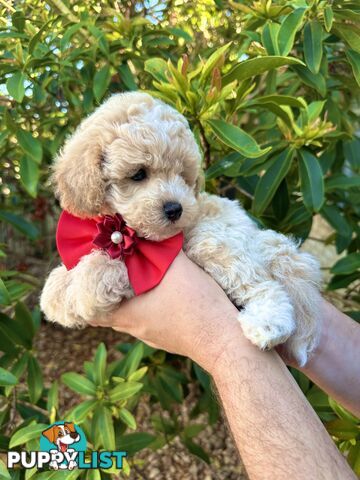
<point x="135" y="156"/>
<point x="62" y="435"/>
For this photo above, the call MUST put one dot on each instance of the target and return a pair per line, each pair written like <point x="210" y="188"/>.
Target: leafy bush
<point x="271" y="92"/>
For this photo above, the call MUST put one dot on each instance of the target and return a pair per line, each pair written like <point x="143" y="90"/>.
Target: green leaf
<point x="270" y="181"/>
<point x="14" y="332"/>
<point x="105" y="427"/>
<point x="127" y="77"/>
<point x="289" y="26"/>
<point x="342" y="182"/>
<point x="29" y="473"/>
<point x="34" y="380"/>
<point x="312" y="182"/>
<point x="7" y="378"/>
<point x="178" y="32"/>
<point x="213" y="61"/>
<point x="29" y="175"/>
<point x="341" y="412"/>
<point x="337" y="220"/>
<point x="101" y="39"/>
<point x="30" y="145"/>
<point x="352" y="152"/>
<point x="4" y="473"/>
<point x="79" y="383"/>
<point x="196" y="450"/>
<point x="133" y="359"/>
<point x="15" y="86"/>
<point x="297" y="102"/>
<point x="236" y="138"/>
<point x="24" y="319"/>
<point x="81" y="411"/>
<point x="4" y="294"/>
<point x="101" y="82"/>
<point x="316" y="81"/>
<point x="328" y="17"/>
<point x="138" y="374"/>
<point x="124" y="390"/>
<point x="193" y="430"/>
<point x="346" y="265"/>
<point x="8" y="341"/>
<point x="53" y="397"/>
<point x="269" y="38"/>
<point x="313" y="50"/>
<point x="342" y="281"/>
<point x="134" y="442"/>
<point x="314" y="110"/>
<point x="27" y="433"/>
<point x="158" y="68"/>
<point x="36" y="38"/>
<point x="100" y="364"/>
<point x="354" y="60"/>
<point x="342" y="429"/>
<point x="230" y="163"/>
<point x="128" y="418"/>
<point x="349" y="33"/>
<point x="257" y="66"/>
<point x="20" y="224"/>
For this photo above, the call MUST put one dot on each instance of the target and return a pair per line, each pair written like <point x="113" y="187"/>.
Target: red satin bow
<point x="146" y="261"/>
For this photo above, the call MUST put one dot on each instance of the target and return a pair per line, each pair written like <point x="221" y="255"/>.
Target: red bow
<point x="146" y="261"/>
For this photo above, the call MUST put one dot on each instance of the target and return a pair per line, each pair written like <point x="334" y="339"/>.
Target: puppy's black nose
<point x="173" y="210"/>
<point x="73" y="435"/>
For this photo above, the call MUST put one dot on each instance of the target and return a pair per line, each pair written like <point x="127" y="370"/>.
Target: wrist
<point x="231" y="344"/>
<point x="220" y="337"/>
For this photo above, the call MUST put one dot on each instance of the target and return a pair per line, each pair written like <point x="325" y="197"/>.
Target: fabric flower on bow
<point x="115" y="236"/>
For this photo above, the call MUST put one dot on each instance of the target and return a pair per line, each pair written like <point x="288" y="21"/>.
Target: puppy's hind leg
<point x="267" y="318"/>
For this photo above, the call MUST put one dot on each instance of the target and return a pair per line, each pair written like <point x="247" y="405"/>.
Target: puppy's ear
<point x="77" y="176"/>
<point x="70" y="426"/>
<point x="51" y="433"/>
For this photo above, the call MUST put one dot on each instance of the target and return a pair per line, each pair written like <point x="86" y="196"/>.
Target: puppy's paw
<point x="267" y="331"/>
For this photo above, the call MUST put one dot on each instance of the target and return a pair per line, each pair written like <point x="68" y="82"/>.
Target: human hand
<point x="187" y="313"/>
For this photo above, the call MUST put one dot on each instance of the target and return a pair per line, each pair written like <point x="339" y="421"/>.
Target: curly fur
<point x="274" y="284"/>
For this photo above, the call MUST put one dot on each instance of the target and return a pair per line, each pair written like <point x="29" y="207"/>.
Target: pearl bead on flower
<point x="116" y="237"/>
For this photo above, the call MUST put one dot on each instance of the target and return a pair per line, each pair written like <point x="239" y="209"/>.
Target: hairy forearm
<point x="335" y="365"/>
<point x="274" y="427"/>
<point x="276" y="431"/>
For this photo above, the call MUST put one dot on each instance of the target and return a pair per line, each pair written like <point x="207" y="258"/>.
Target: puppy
<point x="62" y="436"/>
<point x="137" y="156"/>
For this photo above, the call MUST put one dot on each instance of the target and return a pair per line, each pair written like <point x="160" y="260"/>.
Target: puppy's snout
<point x="173" y="210"/>
<point x="74" y="435"/>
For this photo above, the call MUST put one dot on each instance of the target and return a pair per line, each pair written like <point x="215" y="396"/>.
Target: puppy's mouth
<point x="63" y="446"/>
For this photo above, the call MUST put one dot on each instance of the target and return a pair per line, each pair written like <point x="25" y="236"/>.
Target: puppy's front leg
<point x="95" y="286"/>
<point x="221" y="243"/>
<point x="299" y="273"/>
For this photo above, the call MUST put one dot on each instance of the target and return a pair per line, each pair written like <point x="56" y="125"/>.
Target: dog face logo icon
<point x="62" y="435"/>
<point x="63" y="440"/>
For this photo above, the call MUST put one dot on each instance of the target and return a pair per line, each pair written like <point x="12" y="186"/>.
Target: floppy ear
<point x="77" y="175"/>
<point x="70" y="426"/>
<point x="50" y="433"/>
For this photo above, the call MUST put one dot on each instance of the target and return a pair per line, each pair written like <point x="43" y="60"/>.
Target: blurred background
<point x="271" y="91"/>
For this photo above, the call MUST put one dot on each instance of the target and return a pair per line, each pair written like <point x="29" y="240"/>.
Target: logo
<point x="63" y="447"/>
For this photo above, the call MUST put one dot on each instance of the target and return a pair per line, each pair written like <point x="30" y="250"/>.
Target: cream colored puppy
<point x="134" y="155"/>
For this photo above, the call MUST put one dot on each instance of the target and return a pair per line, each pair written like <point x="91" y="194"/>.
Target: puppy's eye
<point x="139" y="175"/>
<point x="60" y="434"/>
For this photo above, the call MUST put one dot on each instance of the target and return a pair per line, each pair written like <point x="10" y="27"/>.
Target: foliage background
<point x="271" y="90"/>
